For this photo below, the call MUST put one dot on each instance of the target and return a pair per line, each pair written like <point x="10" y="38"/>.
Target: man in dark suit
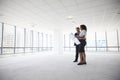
<point x="77" y="46"/>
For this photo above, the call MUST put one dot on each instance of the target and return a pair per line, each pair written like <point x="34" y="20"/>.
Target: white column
<point x="58" y="41"/>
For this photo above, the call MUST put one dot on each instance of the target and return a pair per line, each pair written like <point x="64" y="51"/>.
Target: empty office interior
<point x="36" y="44"/>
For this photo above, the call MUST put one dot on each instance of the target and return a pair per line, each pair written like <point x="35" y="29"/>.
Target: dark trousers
<point x="77" y="52"/>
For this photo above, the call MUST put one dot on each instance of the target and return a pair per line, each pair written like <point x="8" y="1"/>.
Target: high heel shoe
<point x="80" y="64"/>
<point x="84" y="63"/>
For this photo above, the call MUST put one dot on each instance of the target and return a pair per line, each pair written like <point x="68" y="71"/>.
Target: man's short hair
<point x="76" y="34"/>
<point x="77" y="28"/>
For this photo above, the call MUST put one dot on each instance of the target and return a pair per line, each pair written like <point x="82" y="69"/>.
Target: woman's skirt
<point x="82" y="46"/>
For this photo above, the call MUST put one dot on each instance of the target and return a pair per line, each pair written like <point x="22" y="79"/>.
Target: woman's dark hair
<point x="83" y="27"/>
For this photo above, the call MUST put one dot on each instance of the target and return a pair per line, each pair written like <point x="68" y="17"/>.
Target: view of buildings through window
<point x="96" y="41"/>
<point x="15" y="39"/>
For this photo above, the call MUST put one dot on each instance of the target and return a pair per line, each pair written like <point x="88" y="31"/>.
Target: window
<point x="101" y="41"/>
<point x="112" y="41"/>
<point x="66" y="42"/>
<point x="91" y="42"/>
<point x="19" y="40"/>
<point x="8" y="39"/>
<point x="45" y="41"/>
<point x="119" y="40"/>
<point x="71" y="45"/>
<point x="29" y="39"/>
<point x="97" y="41"/>
<point x="35" y="41"/>
<point x="40" y="41"/>
<point x="50" y="39"/>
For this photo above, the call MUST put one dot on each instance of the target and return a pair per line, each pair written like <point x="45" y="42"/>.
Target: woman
<point x="82" y="38"/>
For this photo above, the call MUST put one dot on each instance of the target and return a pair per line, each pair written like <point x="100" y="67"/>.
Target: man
<point x="77" y="46"/>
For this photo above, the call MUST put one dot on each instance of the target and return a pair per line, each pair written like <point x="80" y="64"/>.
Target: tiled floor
<point x="100" y="66"/>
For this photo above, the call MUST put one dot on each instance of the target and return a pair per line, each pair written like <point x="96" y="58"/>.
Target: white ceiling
<point x="53" y="14"/>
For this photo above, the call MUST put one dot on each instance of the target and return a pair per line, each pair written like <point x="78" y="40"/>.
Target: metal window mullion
<point x="69" y="44"/>
<point x="32" y="39"/>
<point x="38" y="41"/>
<point x="46" y="41"/>
<point x="24" y="39"/>
<point x="118" y="40"/>
<point x="51" y="42"/>
<point x="106" y="41"/>
<point x="2" y="38"/>
<point x="50" y="38"/>
<point x="14" y="39"/>
<point x="96" y="40"/>
<point x="64" y="42"/>
<point x="42" y="42"/>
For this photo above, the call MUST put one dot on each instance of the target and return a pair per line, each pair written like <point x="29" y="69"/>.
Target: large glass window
<point x="66" y="42"/>
<point x="45" y="37"/>
<point x="50" y="43"/>
<point x="8" y="39"/>
<point x="50" y="39"/>
<point x="71" y="44"/>
<point x="29" y="40"/>
<point x="112" y="40"/>
<point x="91" y="41"/>
<point x="40" y="41"/>
<point x="101" y="41"/>
<point x="19" y="40"/>
<point x="25" y="40"/>
<point x="35" y="41"/>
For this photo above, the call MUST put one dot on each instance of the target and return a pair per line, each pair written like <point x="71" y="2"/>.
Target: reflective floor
<point x="44" y="66"/>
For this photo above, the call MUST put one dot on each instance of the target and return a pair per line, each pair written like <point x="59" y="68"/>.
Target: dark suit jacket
<point x="77" y="33"/>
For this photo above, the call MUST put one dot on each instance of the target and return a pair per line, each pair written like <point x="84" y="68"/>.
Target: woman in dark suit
<point x="82" y="38"/>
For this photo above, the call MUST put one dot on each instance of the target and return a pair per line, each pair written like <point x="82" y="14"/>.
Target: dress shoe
<point x="75" y="61"/>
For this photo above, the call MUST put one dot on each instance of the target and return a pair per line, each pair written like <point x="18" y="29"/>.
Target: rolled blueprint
<point x="75" y="40"/>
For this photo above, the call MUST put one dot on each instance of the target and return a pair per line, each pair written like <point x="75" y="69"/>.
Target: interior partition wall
<point x="14" y="40"/>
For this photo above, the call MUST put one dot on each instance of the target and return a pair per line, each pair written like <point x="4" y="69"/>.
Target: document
<point x="75" y="40"/>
